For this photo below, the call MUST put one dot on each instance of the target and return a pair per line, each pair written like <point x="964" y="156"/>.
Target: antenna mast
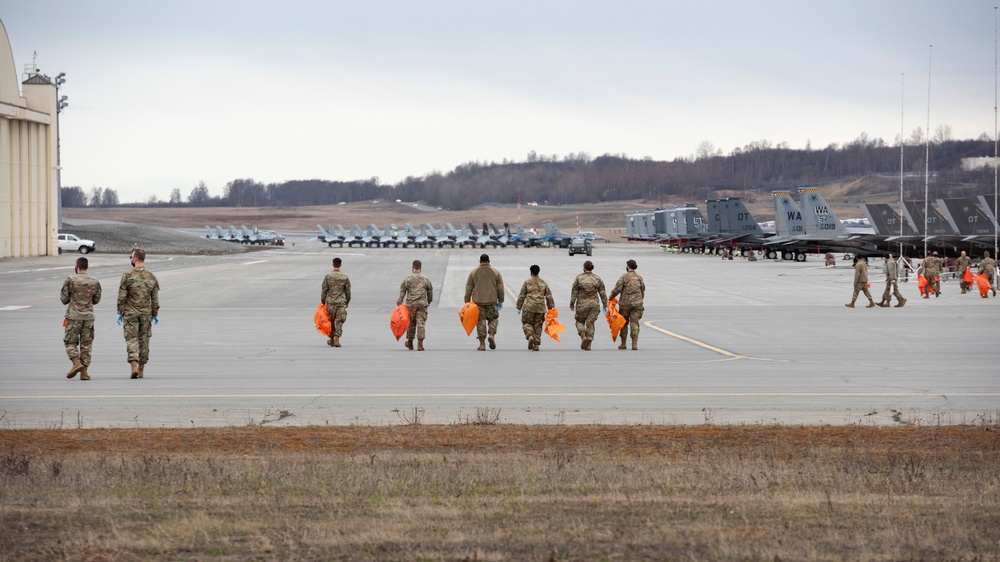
<point x="996" y="132"/>
<point x="902" y="145"/>
<point x="927" y="151"/>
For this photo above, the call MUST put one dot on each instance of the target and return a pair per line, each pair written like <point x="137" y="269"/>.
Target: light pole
<point x="61" y="103"/>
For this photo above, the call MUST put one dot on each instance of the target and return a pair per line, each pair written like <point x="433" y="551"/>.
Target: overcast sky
<point x="167" y="94"/>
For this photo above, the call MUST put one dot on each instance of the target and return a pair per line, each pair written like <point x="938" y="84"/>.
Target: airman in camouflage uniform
<point x="81" y="292"/>
<point x="484" y="287"/>
<point x="961" y="264"/>
<point x="931" y="270"/>
<point x="632" y="290"/>
<point x="587" y="298"/>
<point x="988" y="268"/>
<point x="533" y="302"/>
<point x="337" y="296"/>
<point x="419" y="294"/>
<point x="891" y="271"/>
<point x="138" y="307"/>
<point x="861" y="282"/>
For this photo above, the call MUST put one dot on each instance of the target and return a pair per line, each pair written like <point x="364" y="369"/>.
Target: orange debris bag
<point x="615" y="320"/>
<point x="967" y="276"/>
<point x="983" y="282"/>
<point x="921" y="284"/>
<point x="322" y="320"/>
<point x="469" y="315"/>
<point x="552" y="325"/>
<point x="399" y="321"/>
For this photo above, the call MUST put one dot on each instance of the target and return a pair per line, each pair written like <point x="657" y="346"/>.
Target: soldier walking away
<point x="138" y="308"/>
<point x="484" y="287"/>
<point x="533" y="302"/>
<point x="419" y="294"/>
<point x="891" y="272"/>
<point x="632" y="290"/>
<point x="931" y="269"/>
<point x="988" y="268"/>
<point x="81" y="292"/>
<point x="587" y="298"/>
<point x="861" y="282"/>
<point x="337" y="296"/>
<point x="961" y="264"/>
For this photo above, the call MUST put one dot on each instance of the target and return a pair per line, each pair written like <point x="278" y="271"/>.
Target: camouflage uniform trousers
<point x="79" y="340"/>
<point x="632" y="315"/>
<point x="861" y="287"/>
<point x="338" y="315"/>
<point x="489" y="317"/>
<point x="533" y="324"/>
<point x="891" y="288"/>
<point x="418" y="321"/>
<point x="138" y="330"/>
<point x="586" y="315"/>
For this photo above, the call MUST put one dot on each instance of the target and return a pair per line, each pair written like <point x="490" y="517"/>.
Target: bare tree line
<point x="579" y="178"/>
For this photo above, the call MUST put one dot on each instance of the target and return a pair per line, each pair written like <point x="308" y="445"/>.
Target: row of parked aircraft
<point x="246" y="236"/>
<point x="810" y="226"/>
<point x="426" y="236"/>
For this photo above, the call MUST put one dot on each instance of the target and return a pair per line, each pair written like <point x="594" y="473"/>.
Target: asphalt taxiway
<point x="724" y="342"/>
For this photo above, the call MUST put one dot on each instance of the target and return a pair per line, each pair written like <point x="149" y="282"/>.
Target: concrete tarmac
<point x="723" y="342"/>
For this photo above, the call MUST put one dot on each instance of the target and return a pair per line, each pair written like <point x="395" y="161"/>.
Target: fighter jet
<point x="736" y="226"/>
<point x="502" y="237"/>
<point x="481" y="238"/>
<point x="329" y="237"/>
<point x="972" y="223"/>
<point x="557" y="237"/>
<point x="211" y="233"/>
<point x="459" y="237"/>
<point x="525" y="238"/>
<point x="814" y="228"/>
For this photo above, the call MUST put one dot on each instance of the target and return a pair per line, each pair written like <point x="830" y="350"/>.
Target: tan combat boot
<point x="141" y="367"/>
<point x="76" y="368"/>
<point x="871" y="304"/>
<point x="135" y="369"/>
<point x="336" y="341"/>
<point x="493" y="344"/>
<point x="623" y="346"/>
<point x="534" y="345"/>
<point x="587" y="343"/>
<point x="409" y="344"/>
<point x="420" y="345"/>
<point x="883" y="303"/>
<point x="83" y="374"/>
<point x="901" y="302"/>
<point x="635" y="343"/>
<point x="850" y="304"/>
<point x="482" y="345"/>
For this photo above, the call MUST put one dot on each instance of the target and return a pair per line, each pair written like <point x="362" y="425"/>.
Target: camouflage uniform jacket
<point x="631" y="288"/>
<point x="587" y="287"/>
<point x="139" y="293"/>
<point x="930" y="266"/>
<point x="484" y="286"/>
<point x="890" y="270"/>
<point x="861" y="272"/>
<point x="987" y="266"/>
<point x="417" y="290"/>
<point x="535" y="296"/>
<point x="81" y="292"/>
<point x="962" y="263"/>
<point x="336" y="289"/>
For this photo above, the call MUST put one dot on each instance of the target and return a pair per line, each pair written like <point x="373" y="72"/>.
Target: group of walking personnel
<point x="485" y="288"/>
<point x="138" y="309"/>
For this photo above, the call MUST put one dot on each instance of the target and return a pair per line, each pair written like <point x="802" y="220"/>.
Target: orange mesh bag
<point x="967" y="276"/>
<point x="921" y="284"/>
<point x="983" y="282"/>
<point x="469" y="315"/>
<point x="552" y="325"/>
<point x="615" y="320"/>
<point x="399" y="321"/>
<point x="322" y="320"/>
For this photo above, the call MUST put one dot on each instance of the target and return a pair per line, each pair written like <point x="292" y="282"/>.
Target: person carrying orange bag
<point x="322" y="320"/>
<point x="632" y="289"/>
<point x="533" y="302"/>
<point x="419" y="294"/>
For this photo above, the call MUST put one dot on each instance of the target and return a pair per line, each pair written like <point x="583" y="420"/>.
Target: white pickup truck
<point x="73" y="243"/>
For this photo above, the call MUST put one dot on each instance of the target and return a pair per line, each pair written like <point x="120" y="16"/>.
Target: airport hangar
<point x="29" y="167"/>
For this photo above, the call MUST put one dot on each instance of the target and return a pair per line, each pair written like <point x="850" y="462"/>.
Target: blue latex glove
<point x="499" y="306"/>
<point x="605" y="311"/>
<point x="156" y="320"/>
<point x="119" y="319"/>
<point x="519" y="312"/>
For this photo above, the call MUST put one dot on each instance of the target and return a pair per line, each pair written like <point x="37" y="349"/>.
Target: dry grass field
<point x="501" y="492"/>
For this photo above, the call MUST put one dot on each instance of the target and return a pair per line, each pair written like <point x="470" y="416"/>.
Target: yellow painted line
<point x="512" y="395"/>
<point x="732" y="356"/>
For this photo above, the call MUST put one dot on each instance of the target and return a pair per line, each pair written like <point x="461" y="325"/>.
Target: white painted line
<point x="253" y="262"/>
<point x="517" y="395"/>
<point x="12" y="307"/>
